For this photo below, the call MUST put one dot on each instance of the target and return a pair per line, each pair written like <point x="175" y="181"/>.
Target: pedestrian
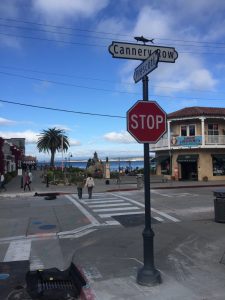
<point x="2" y="182"/>
<point x="90" y="184"/>
<point x="80" y="184"/>
<point x="26" y="181"/>
<point x="31" y="176"/>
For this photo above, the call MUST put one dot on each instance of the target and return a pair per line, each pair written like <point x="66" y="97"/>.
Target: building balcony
<point x="182" y="142"/>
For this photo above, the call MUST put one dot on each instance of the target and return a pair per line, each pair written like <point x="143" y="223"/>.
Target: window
<point x="192" y="130"/>
<point x="213" y="129"/>
<point x="187" y="130"/>
<point x="213" y="132"/>
<point x="218" y="162"/>
<point x="183" y="130"/>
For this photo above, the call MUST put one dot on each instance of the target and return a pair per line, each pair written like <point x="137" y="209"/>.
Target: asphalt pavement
<point x="189" y="254"/>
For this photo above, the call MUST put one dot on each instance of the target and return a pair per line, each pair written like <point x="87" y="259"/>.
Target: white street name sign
<point x="147" y="66"/>
<point x="142" y="52"/>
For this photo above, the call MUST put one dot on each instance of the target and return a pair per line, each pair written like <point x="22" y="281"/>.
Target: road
<point x="48" y="234"/>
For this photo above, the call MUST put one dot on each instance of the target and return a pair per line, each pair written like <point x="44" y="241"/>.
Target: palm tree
<point x="50" y="140"/>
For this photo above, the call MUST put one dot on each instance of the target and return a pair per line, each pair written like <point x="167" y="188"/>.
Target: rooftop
<point x="197" y="111"/>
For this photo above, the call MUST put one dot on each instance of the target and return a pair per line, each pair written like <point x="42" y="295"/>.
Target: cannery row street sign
<point x="142" y="52"/>
<point x="147" y="66"/>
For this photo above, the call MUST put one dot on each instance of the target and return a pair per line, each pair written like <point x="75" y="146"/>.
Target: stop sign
<point x="146" y="121"/>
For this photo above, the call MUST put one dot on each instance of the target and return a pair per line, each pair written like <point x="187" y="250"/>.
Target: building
<point x="194" y="146"/>
<point x="13" y="150"/>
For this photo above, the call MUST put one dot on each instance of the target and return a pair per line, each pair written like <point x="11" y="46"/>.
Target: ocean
<point x="114" y="165"/>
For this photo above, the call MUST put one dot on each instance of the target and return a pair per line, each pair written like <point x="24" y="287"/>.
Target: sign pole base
<point x="148" y="275"/>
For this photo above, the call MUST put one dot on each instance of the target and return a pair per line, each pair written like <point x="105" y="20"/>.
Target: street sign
<point x="147" y="66"/>
<point x="142" y="52"/>
<point x="146" y="121"/>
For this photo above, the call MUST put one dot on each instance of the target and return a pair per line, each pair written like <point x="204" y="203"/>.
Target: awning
<point x="162" y="158"/>
<point x="220" y="157"/>
<point x="187" y="158"/>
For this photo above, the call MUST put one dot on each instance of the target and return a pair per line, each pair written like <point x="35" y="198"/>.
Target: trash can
<point x="219" y="205"/>
<point x="107" y="181"/>
<point x="139" y="181"/>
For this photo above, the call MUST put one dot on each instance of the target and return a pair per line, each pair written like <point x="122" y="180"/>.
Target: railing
<point x="215" y="139"/>
<point x="189" y="141"/>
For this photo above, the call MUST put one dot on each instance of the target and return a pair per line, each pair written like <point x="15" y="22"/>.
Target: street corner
<point x="12" y="279"/>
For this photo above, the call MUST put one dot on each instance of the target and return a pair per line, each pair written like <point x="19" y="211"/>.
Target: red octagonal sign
<point x="146" y="121"/>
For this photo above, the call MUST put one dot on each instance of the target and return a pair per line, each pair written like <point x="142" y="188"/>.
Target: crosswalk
<point x="104" y="206"/>
<point x="100" y="211"/>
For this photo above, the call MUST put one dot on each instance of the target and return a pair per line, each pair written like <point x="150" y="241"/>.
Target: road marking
<point x="109" y="205"/>
<point x="165" y="215"/>
<point x="17" y="251"/>
<point x="158" y="219"/>
<point x="103" y="201"/>
<point x="152" y="209"/>
<point x="98" y="199"/>
<point x="158" y="193"/>
<point x="115" y="209"/>
<point x="92" y="219"/>
<point x="112" y="222"/>
<point x="121" y="214"/>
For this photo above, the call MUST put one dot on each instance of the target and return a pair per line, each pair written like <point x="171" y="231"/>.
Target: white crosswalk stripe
<point x="106" y="206"/>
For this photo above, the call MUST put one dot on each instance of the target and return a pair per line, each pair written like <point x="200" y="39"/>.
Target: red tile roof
<point x="197" y="111"/>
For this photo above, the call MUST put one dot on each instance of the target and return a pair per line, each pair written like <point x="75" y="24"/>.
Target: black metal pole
<point x="147" y="275"/>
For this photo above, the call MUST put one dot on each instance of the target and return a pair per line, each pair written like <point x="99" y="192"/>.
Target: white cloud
<point x="190" y="71"/>
<point x="30" y="136"/>
<point x="57" y="11"/>
<point x="122" y="137"/>
<point x="74" y="142"/>
<point x="6" y="122"/>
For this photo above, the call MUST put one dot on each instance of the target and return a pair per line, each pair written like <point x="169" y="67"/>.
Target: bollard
<point x="219" y="205"/>
<point x="139" y="181"/>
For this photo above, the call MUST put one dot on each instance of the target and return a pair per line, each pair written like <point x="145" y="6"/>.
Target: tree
<point x="50" y="140"/>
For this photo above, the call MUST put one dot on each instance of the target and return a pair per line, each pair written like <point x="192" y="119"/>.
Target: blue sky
<point x="55" y="54"/>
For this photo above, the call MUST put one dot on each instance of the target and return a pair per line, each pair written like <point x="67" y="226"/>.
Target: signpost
<point x="147" y="66"/>
<point x="142" y="52"/>
<point x="146" y="122"/>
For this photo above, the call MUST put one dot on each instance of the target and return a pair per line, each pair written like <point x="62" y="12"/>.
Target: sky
<point x="56" y="70"/>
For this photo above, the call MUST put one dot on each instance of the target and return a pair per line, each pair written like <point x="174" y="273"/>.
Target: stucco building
<point x="194" y="146"/>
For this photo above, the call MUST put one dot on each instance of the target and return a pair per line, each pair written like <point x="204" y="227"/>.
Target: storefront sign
<point x="186" y="141"/>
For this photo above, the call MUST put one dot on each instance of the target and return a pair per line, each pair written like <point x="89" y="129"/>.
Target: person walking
<point x="2" y="182"/>
<point x="26" y="181"/>
<point x="90" y="184"/>
<point x="31" y="176"/>
<point x="80" y="184"/>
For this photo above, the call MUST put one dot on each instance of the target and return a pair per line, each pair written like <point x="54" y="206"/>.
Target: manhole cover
<point x="132" y="220"/>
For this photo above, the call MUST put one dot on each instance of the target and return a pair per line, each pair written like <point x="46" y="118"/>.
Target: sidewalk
<point x="127" y="184"/>
<point x="190" y="255"/>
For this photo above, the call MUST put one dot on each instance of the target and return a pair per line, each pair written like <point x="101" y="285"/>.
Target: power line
<point x="61" y="110"/>
<point x="100" y="89"/>
<point x="107" y="33"/>
<point x="95" y="45"/>
<point x="67" y="84"/>
<point x="55" y="32"/>
<point x="51" y="40"/>
<point x="101" y="79"/>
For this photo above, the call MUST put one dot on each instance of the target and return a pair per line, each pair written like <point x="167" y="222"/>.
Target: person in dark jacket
<point x="26" y="181"/>
<point x="80" y="185"/>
